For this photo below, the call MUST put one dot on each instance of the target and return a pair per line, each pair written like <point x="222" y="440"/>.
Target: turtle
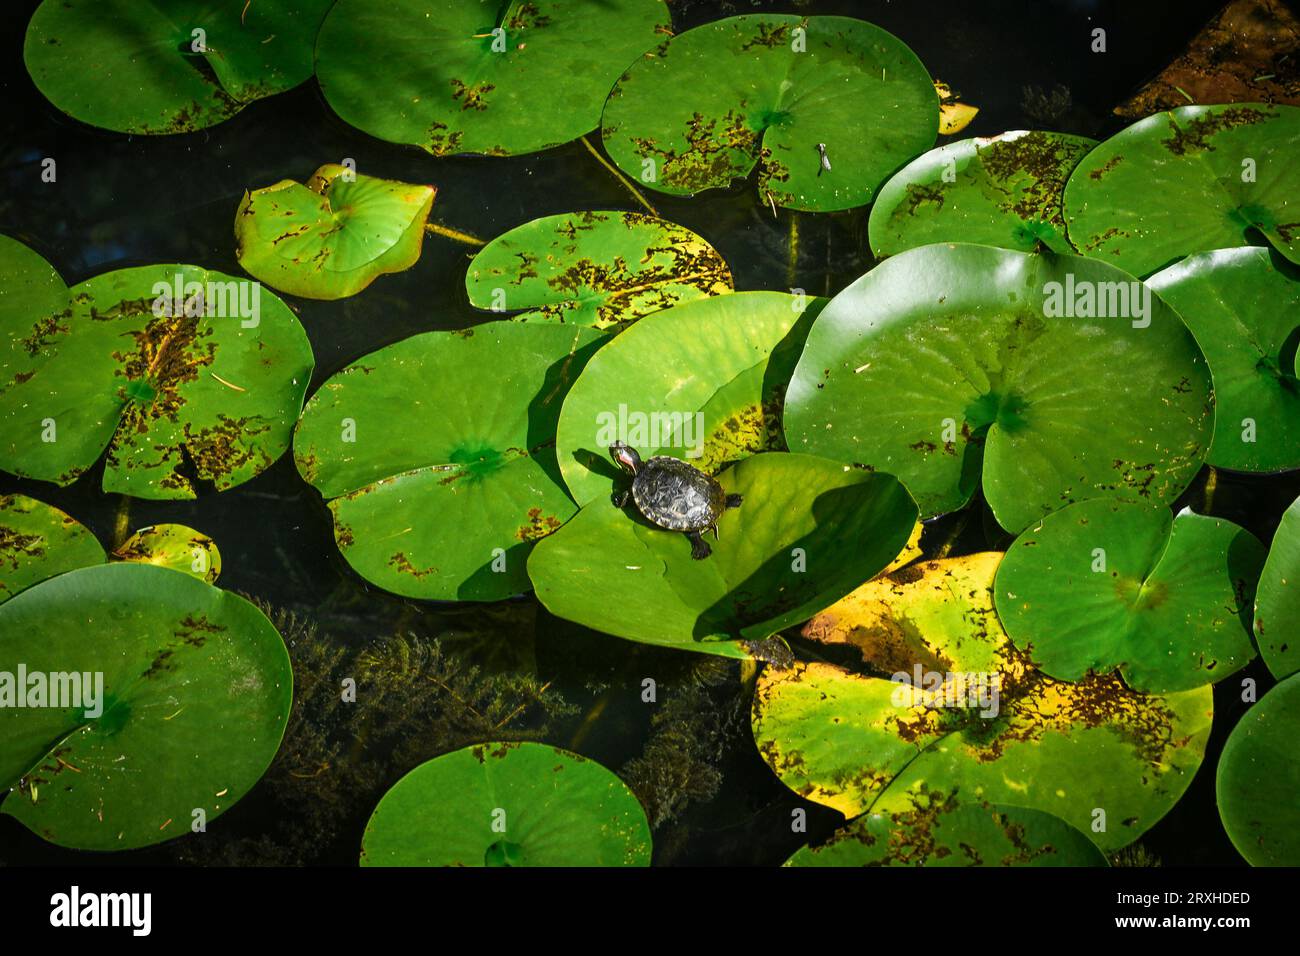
<point x="673" y="494"/>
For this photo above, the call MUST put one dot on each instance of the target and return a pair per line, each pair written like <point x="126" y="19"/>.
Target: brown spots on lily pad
<point x="402" y="564"/>
<point x="1195" y="135"/>
<point x="537" y="526"/>
<point x="471" y="97"/>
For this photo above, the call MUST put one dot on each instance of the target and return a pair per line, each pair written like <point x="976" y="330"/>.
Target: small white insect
<point x="826" y="162"/>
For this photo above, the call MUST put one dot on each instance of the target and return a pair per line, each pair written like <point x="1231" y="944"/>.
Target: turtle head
<point x="625" y="457"/>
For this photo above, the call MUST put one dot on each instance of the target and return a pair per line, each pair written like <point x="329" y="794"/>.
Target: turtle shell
<point x="676" y="495"/>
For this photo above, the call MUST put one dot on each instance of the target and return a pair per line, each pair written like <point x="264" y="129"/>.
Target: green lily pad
<point x="335" y="235"/>
<point x="480" y="76"/>
<point x="508" y="804"/>
<point x="1001" y="191"/>
<point x="1189" y="180"/>
<point x="940" y="830"/>
<point x="599" y="269"/>
<point x="1106" y="584"/>
<point x="949" y="362"/>
<point x="436" y="456"/>
<point x="704" y="381"/>
<point x="858" y="743"/>
<point x="808" y="532"/>
<point x="1258" y="777"/>
<point x="1277" y="599"/>
<point x="168" y="66"/>
<point x="38" y="541"/>
<point x="184" y="391"/>
<point x="173" y="546"/>
<point x="765" y="90"/>
<point x="29" y="286"/>
<point x="1243" y="306"/>
<point x="196" y="690"/>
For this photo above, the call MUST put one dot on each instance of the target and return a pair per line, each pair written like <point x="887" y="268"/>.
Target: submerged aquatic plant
<point x="413" y="701"/>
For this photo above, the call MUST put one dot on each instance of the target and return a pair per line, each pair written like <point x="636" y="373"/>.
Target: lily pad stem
<point x="589" y="719"/>
<point x="121" y="522"/>
<point x="636" y="193"/>
<point x="793" y="264"/>
<point x="1211" y="483"/>
<point x="446" y="231"/>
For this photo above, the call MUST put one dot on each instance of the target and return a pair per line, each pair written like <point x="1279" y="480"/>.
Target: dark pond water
<point x="121" y="201"/>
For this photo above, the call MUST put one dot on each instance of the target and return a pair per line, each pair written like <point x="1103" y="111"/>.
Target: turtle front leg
<point x="699" y="547"/>
<point x="733" y="501"/>
<point x="619" y="498"/>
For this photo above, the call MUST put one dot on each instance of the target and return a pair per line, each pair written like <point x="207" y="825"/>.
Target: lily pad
<point x="598" y="269"/>
<point x="808" y="532"/>
<point x="940" y="830"/>
<point x="1277" y="599"/>
<point x="29" y="286"/>
<point x="1189" y="180"/>
<point x="1106" y="584"/>
<point x="770" y="91"/>
<point x="38" y="541"/>
<point x="858" y="743"/>
<point x="168" y="66"/>
<point x="436" y="456"/>
<point x="335" y="235"/>
<point x="508" y="804"/>
<point x="704" y="381"/>
<point x="173" y="546"/>
<point x="1243" y="306"/>
<point x="480" y="76"/>
<point x="1001" y="191"/>
<point x="949" y="363"/>
<point x="1258" y="777"/>
<point x="185" y="390"/>
<point x="931" y="612"/>
<point x="196" y="690"/>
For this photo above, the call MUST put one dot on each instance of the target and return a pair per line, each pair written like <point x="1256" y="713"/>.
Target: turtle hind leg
<point x="699" y="547"/>
<point x="733" y="501"/>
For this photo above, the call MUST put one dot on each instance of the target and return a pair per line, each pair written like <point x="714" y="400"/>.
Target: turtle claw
<point x="699" y="547"/>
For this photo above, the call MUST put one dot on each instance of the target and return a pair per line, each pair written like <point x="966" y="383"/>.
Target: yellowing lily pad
<point x="333" y="236"/>
<point x="964" y="712"/>
<point x="173" y="546"/>
<point x="599" y="269"/>
<point x="940" y="830"/>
